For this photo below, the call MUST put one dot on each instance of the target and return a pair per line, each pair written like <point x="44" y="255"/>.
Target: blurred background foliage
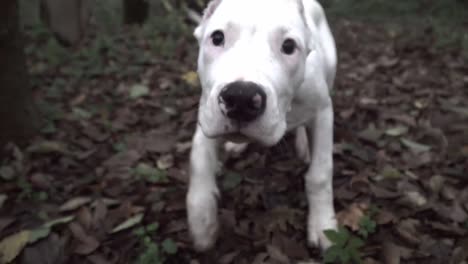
<point x="166" y="21"/>
<point x="114" y="45"/>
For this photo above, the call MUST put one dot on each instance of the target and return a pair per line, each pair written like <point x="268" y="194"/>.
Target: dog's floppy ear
<point x="320" y="36"/>
<point x="209" y="10"/>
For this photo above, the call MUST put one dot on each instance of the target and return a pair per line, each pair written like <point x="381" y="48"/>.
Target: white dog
<point x="266" y="67"/>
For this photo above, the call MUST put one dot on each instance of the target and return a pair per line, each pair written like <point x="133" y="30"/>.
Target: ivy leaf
<point x="345" y="256"/>
<point x="331" y="254"/>
<point x="152" y="227"/>
<point x="354" y="244"/>
<point x="169" y="246"/>
<point x="367" y="226"/>
<point x="355" y="257"/>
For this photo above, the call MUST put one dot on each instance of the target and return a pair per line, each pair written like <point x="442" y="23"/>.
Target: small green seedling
<point x="153" y="252"/>
<point x="366" y="226"/>
<point x="345" y="248"/>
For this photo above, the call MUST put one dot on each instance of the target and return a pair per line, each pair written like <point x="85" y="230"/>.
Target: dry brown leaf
<point x="351" y="216"/>
<point x="229" y="258"/>
<point x="277" y="255"/>
<point x="408" y="230"/>
<point x="390" y="253"/>
<point x="165" y="162"/>
<point x="384" y="217"/>
<point x="88" y="243"/>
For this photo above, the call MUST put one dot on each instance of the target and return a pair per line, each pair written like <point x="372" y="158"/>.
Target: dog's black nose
<point x="242" y="101"/>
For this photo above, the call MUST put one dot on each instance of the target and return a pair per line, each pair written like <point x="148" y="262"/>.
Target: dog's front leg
<point x="202" y="192"/>
<point x="318" y="178"/>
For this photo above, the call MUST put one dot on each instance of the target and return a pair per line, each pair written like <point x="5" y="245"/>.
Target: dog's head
<point x="251" y="62"/>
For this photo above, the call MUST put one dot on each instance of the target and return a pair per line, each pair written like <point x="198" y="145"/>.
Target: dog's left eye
<point x="217" y="38"/>
<point x="288" y="47"/>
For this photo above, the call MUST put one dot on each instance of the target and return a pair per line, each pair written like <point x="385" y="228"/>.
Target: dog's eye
<point x="217" y="38"/>
<point x="288" y="47"/>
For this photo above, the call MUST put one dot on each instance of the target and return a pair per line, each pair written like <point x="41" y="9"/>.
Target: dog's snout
<point x="242" y="101"/>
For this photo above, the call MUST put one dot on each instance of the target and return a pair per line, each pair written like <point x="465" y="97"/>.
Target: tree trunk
<point x="135" y="11"/>
<point x="17" y="118"/>
<point x="66" y="18"/>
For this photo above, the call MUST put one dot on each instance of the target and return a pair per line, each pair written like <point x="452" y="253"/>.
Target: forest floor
<point x="111" y="160"/>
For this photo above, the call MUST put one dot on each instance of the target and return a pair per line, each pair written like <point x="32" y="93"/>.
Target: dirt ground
<point x="116" y="151"/>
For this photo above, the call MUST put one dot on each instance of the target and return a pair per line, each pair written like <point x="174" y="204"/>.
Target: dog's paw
<point x="302" y="145"/>
<point x="316" y="225"/>
<point x="235" y="149"/>
<point x="202" y="219"/>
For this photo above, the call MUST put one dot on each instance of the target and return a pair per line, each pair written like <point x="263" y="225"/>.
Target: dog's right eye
<point x="288" y="47"/>
<point x="217" y="38"/>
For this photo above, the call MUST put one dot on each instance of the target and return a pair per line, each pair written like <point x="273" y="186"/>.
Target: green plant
<point x="345" y="248"/>
<point x="366" y="224"/>
<point x="447" y="19"/>
<point x="153" y="252"/>
<point x="150" y="173"/>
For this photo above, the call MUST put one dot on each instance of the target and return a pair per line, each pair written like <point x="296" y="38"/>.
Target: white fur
<point x="297" y="88"/>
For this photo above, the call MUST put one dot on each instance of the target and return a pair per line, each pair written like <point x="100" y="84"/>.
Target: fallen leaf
<point x="58" y="221"/>
<point x="231" y="180"/>
<point x="352" y="215"/>
<point x="88" y="243"/>
<point x="150" y="173"/>
<point x="48" y="147"/>
<point x="37" y="234"/>
<point x="47" y="251"/>
<point x="165" y="162"/>
<point x="119" y="165"/>
<point x="415" y="147"/>
<point x="277" y="255"/>
<point x="190" y="78"/>
<point x="413" y="199"/>
<point x="160" y="143"/>
<point x="182" y="147"/>
<point x="7" y="173"/>
<point x="384" y="217"/>
<point x="169" y="246"/>
<point x="380" y="192"/>
<point x="436" y="183"/>
<point x="131" y="222"/>
<point x="390" y="172"/>
<point x="390" y="253"/>
<point x="74" y="203"/>
<point x="370" y="134"/>
<point x="11" y="246"/>
<point x="80" y="113"/>
<point x="138" y="90"/>
<point x="396" y="131"/>
<point x="229" y="258"/>
<point x="407" y="230"/>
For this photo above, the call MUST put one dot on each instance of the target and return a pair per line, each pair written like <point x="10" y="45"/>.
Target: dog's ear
<point x="209" y="10"/>
<point x="320" y="36"/>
